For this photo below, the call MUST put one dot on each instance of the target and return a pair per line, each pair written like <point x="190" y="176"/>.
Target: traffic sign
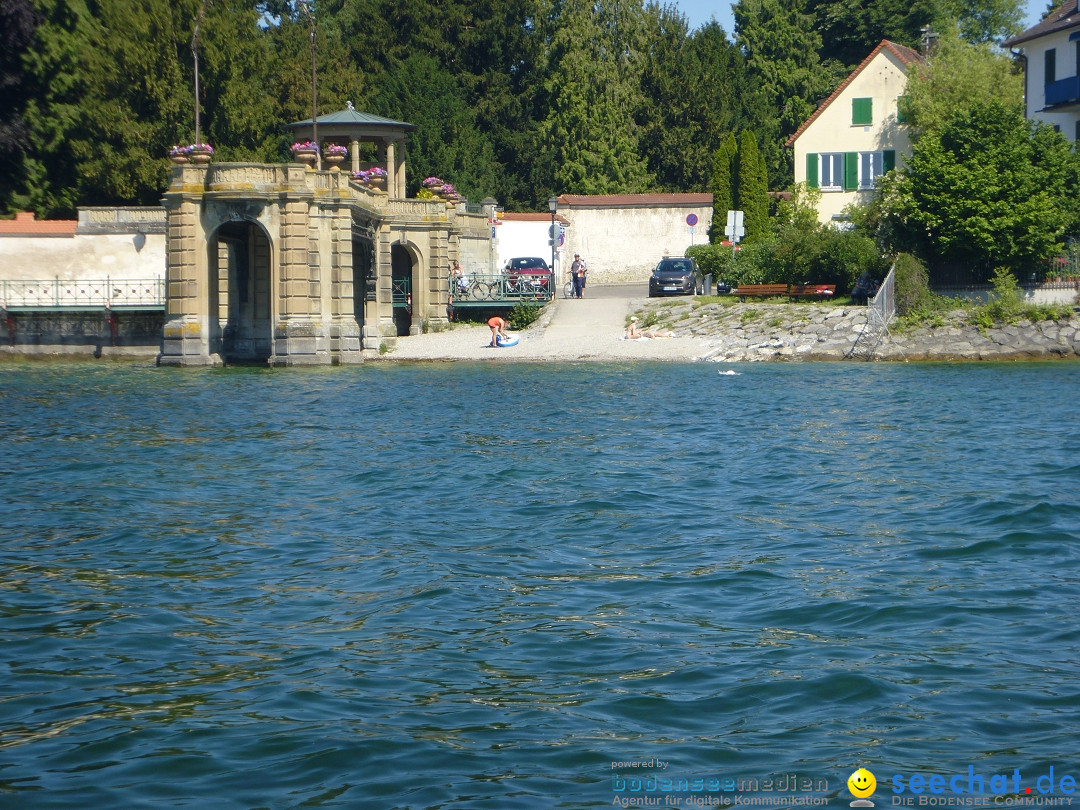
<point x="691" y="220"/>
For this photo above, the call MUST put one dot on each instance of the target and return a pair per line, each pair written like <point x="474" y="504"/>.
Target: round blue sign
<point x="691" y="220"/>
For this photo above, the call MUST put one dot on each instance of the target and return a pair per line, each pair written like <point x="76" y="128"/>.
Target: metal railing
<point x="475" y="289"/>
<point x="58" y="294"/>
<point x="880" y="311"/>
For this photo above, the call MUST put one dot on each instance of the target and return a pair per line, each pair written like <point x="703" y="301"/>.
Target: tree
<point x="723" y="185"/>
<point x="18" y="21"/>
<point x="447" y="142"/>
<point x="990" y="189"/>
<point x="781" y="49"/>
<point x="594" y="98"/>
<point x="956" y="74"/>
<point x="753" y="189"/>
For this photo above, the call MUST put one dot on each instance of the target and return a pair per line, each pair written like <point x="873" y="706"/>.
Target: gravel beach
<point x="593" y="328"/>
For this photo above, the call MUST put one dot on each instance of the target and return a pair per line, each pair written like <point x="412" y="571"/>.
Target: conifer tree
<point x="723" y="186"/>
<point x="753" y="188"/>
<point x="594" y="96"/>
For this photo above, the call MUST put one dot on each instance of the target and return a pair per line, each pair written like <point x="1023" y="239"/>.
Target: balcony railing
<point x="1062" y="92"/>
<point x="57" y="294"/>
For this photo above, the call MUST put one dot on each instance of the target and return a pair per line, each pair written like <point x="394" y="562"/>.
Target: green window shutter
<point x="851" y="171"/>
<point x="862" y="112"/>
<point x="812" y="169"/>
<point x="888" y="160"/>
<point x="902" y="105"/>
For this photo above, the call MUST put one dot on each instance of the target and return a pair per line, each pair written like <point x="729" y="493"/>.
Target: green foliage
<point x="912" y="285"/>
<point x="523" y="314"/>
<point x="990" y="189"/>
<point x="715" y="260"/>
<point x="753" y="188"/>
<point x="723" y="185"/>
<point x="784" y="65"/>
<point x="594" y="95"/>
<point x="957" y="74"/>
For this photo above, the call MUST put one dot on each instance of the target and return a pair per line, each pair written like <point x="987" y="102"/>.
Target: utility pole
<point x="314" y="91"/>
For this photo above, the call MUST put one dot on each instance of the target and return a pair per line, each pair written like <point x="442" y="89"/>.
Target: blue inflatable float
<point x="502" y="342"/>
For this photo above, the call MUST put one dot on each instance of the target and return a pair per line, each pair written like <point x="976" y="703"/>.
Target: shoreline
<point x="592" y="330"/>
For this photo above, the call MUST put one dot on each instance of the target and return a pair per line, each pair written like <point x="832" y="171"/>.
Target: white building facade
<point x="1050" y="52"/>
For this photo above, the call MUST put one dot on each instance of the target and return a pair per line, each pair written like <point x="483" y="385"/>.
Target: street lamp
<point x="553" y="204"/>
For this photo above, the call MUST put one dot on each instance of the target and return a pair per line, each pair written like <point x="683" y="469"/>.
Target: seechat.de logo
<point x="862" y="785"/>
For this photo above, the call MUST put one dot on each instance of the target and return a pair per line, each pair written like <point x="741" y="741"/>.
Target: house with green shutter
<point x="858" y="133"/>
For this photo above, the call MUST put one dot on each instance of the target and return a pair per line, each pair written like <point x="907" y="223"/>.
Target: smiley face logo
<point x="861" y="783"/>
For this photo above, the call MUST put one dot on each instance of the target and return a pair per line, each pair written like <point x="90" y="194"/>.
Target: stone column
<point x="186" y="335"/>
<point x="401" y="172"/>
<point x="392" y="172"/>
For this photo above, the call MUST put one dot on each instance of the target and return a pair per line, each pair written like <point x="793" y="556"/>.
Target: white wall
<point x="90" y="257"/>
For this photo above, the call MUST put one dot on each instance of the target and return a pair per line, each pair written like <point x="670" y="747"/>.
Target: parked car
<point x="533" y="268"/>
<point x="674" y="276"/>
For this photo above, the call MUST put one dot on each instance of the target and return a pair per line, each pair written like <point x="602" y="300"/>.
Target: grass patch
<point x="749" y="315"/>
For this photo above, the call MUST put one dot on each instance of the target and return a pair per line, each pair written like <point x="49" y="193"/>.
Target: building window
<point x="1050" y="66"/>
<point x="862" y="112"/>
<point x="831" y="172"/>
<point x="903" y="105"/>
<point x="869" y="168"/>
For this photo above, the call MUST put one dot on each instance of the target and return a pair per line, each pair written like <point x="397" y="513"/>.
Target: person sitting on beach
<point x="633" y="333"/>
<point x="498" y="330"/>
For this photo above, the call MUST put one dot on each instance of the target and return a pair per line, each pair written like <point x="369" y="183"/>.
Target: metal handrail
<point x="496" y="288"/>
<point x="55" y="293"/>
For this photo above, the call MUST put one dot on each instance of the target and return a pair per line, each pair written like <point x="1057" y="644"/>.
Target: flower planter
<point x="200" y="157"/>
<point x="309" y="157"/>
<point x="334" y="161"/>
<point x="179" y="160"/>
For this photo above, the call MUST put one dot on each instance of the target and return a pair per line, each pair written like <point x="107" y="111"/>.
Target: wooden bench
<point x="819" y="291"/>
<point x="761" y="290"/>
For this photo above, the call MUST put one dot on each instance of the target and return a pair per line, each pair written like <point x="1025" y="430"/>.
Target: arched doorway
<point x="401" y="277"/>
<point x="240" y="293"/>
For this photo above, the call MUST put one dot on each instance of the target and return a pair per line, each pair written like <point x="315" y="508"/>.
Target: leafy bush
<point x="912" y="285"/>
<point x="523" y="314"/>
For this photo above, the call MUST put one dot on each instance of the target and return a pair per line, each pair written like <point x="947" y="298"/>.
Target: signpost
<point x="734" y="230"/>
<point x="691" y="220"/>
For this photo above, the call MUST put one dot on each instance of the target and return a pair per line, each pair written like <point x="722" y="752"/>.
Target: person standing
<point x="577" y="275"/>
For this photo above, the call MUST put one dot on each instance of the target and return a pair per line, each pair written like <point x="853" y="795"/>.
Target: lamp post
<point x="195" y="55"/>
<point x="314" y="91"/>
<point x="553" y="204"/>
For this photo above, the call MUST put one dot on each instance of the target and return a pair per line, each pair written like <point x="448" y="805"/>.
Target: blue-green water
<point x="463" y="586"/>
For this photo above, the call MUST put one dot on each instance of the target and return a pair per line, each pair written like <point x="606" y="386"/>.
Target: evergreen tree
<point x="18" y="22"/>
<point x="446" y="142"/>
<point x="594" y="95"/>
<point x="753" y="188"/>
<point x="695" y="87"/>
<point x="723" y="186"/>
<point x="781" y="48"/>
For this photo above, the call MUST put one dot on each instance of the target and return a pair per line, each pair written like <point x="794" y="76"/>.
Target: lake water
<point x="473" y="586"/>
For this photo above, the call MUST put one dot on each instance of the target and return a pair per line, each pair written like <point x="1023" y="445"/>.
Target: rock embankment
<point x="767" y="331"/>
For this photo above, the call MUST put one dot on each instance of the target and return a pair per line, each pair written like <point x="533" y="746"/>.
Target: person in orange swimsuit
<point x="498" y="329"/>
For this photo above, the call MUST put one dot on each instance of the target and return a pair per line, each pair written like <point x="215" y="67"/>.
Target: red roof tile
<point x="531" y="217"/>
<point x="906" y="55"/>
<point x="25" y="224"/>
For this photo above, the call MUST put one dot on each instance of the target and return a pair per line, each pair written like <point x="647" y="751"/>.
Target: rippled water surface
<point x="479" y="587"/>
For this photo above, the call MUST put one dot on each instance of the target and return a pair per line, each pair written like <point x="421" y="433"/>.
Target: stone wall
<point x="622" y="237"/>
